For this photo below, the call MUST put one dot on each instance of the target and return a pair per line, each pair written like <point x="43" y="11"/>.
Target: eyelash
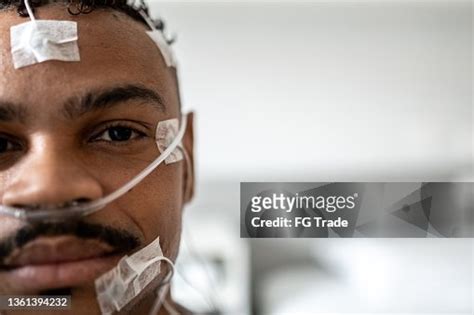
<point x="12" y="144"/>
<point x="138" y="134"/>
<point x="17" y="145"/>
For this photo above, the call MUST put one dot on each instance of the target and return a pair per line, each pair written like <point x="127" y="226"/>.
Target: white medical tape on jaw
<point x="41" y="40"/>
<point x="119" y="286"/>
<point x="166" y="131"/>
<point x="161" y="42"/>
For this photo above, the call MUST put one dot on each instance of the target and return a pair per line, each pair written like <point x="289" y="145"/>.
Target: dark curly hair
<point x="131" y="8"/>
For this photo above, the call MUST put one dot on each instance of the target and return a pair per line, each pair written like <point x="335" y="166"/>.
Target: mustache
<point x="119" y="239"/>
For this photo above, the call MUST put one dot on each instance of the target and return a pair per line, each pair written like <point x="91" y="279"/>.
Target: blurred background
<point x="322" y="91"/>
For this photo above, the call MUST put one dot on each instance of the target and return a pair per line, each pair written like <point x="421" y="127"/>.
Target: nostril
<point x="27" y="207"/>
<point x="82" y="200"/>
<point x="76" y="202"/>
<point x="73" y="203"/>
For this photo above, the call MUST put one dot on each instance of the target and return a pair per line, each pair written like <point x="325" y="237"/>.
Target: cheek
<point x="155" y="205"/>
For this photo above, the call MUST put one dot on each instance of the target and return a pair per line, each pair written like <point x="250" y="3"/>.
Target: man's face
<point x="78" y="131"/>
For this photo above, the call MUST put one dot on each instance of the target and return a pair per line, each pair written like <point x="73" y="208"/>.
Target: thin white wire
<point x="147" y="20"/>
<point x="208" y="300"/>
<point x="189" y="244"/>
<point x="30" y="11"/>
<point x="176" y="271"/>
<point x="170" y="308"/>
<point x="163" y="290"/>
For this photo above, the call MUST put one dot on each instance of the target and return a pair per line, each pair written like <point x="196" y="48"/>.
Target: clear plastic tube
<point x="88" y="208"/>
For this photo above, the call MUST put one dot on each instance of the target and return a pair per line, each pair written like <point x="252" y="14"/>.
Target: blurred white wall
<point x="376" y="276"/>
<point x="330" y="90"/>
<point x="291" y="89"/>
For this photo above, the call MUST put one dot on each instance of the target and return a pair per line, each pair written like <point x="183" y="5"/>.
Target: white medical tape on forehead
<point x="166" y="131"/>
<point x="160" y="41"/>
<point x="119" y="286"/>
<point x="164" y="47"/>
<point x="37" y="41"/>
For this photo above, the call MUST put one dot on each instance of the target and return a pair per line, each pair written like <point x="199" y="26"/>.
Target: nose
<point x="49" y="178"/>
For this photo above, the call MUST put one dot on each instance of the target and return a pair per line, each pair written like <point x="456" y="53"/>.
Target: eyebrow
<point x="12" y="112"/>
<point x="91" y="101"/>
<point x="106" y="98"/>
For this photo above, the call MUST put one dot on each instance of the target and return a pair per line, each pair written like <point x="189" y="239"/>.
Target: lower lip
<point x="32" y="278"/>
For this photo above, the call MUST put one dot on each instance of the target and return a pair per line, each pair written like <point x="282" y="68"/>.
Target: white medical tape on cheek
<point x="166" y="131"/>
<point x="41" y="40"/>
<point x="116" y="288"/>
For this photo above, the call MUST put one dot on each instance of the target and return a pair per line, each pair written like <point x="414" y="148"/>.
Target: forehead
<point x="114" y="49"/>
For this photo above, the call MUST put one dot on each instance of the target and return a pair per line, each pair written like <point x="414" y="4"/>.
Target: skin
<point x="59" y="159"/>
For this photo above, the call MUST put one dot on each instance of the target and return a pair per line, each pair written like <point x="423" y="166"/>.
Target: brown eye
<point x="7" y="145"/>
<point x="118" y="134"/>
